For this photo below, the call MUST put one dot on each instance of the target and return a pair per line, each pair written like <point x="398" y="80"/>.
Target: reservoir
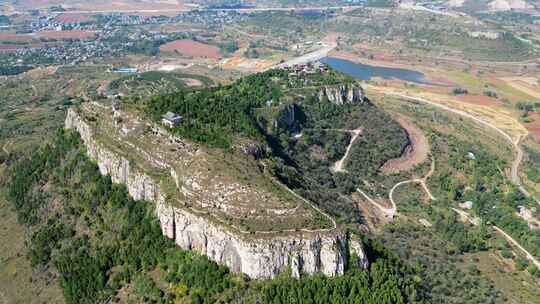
<point x="366" y="72"/>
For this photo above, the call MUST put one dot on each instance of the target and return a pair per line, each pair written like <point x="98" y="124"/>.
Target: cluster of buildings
<point x="210" y="17"/>
<point x="306" y="69"/>
<point x="106" y="43"/>
<point x="58" y="53"/>
<point x="50" y="23"/>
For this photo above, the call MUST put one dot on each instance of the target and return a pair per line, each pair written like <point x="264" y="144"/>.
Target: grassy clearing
<point x="465" y="79"/>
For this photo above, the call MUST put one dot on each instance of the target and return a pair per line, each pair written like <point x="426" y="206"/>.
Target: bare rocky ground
<point x="415" y="154"/>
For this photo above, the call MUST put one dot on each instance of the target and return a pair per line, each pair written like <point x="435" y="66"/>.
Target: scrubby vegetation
<point x="494" y="200"/>
<point x="437" y="260"/>
<point x="532" y="167"/>
<point x="13" y="70"/>
<point x="305" y="163"/>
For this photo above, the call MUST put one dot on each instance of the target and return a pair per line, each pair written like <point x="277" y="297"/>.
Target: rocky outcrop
<point x="258" y="255"/>
<point x="342" y="94"/>
<point x="289" y="117"/>
<point x="253" y="148"/>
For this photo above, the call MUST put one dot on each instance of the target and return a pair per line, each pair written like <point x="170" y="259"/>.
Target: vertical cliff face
<point x="342" y="94"/>
<point x="258" y="255"/>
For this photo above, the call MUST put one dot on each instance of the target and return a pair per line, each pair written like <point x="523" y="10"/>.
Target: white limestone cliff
<point x="342" y="94"/>
<point x="257" y="255"/>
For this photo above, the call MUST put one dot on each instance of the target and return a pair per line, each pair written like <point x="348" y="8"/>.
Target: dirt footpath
<point x="414" y="154"/>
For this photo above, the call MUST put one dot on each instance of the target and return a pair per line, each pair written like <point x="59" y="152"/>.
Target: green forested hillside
<point x="104" y="246"/>
<point x="213" y="116"/>
<point x="259" y="107"/>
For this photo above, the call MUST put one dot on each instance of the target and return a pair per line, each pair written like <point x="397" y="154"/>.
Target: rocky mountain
<point x="257" y="254"/>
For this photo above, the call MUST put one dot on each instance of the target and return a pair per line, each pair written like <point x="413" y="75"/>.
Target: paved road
<point x="309" y="57"/>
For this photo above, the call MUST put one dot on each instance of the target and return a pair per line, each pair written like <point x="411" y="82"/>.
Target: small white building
<point x="466" y="205"/>
<point x="471" y="156"/>
<point x="171" y="120"/>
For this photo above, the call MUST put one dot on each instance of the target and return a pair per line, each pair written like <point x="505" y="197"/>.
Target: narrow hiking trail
<point x="338" y="166"/>
<point x="392" y="211"/>
<point x="4" y="147"/>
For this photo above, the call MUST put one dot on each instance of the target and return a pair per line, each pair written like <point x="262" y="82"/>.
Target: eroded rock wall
<point x="258" y="255"/>
<point x="342" y="94"/>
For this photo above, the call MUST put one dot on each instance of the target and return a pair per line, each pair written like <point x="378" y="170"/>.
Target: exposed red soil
<point x="494" y="80"/>
<point x="192" y="48"/>
<point x="534" y="127"/>
<point x="438" y="89"/>
<point x="67" y="34"/>
<point x="14" y="37"/>
<point x="415" y="154"/>
<point x="479" y="100"/>
<point x="439" y="79"/>
<point x="73" y="18"/>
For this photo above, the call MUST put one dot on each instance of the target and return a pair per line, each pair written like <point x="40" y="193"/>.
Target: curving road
<point x="514" y="175"/>
<point x="421" y="181"/>
<point x="476" y="221"/>
<point x="519" y="152"/>
<point x="309" y="57"/>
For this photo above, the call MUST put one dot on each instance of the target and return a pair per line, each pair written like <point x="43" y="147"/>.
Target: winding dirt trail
<point x="4" y="147"/>
<point x="515" y="144"/>
<point x="514" y="170"/>
<point x="529" y="256"/>
<point x="421" y="181"/>
<point x="388" y="212"/>
<point x="392" y="211"/>
<point x="338" y="166"/>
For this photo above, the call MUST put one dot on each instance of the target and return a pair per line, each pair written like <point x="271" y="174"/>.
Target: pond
<point x="366" y="72"/>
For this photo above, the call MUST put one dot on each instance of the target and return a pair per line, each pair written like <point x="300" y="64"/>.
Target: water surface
<point x="366" y="72"/>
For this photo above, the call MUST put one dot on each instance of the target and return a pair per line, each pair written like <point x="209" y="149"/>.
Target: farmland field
<point x="191" y="48"/>
<point x="66" y="34"/>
